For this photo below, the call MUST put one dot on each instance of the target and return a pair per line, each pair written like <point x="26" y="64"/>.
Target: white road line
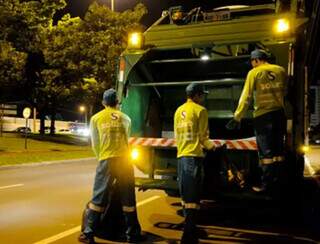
<point x="10" y="186"/>
<point x="78" y="228"/>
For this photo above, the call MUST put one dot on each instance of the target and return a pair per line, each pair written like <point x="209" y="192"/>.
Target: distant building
<point x="314" y="105"/>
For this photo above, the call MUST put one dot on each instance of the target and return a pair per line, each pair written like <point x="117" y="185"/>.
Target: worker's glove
<point x="233" y="124"/>
<point x="221" y="148"/>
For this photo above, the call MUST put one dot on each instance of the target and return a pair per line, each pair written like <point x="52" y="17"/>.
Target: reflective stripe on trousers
<point x="96" y="208"/>
<point x="272" y="160"/>
<point x="190" y="205"/>
<point x="128" y="209"/>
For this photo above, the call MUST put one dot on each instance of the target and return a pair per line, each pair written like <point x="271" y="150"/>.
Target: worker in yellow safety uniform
<point x="110" y="129"/>
<point x="192" y="136"/>
<point x="266" y="86"/>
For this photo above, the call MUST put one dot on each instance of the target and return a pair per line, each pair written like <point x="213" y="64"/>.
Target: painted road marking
<point x="238" y="231"/>
<point x="10" y="186"/>
<point x="78" y="228"/>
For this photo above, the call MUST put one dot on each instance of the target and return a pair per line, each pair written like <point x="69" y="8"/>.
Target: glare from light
<point x="282" y="25"/>
<point x="83" y="131"/>
<point x="82" y="108"/>
<point x="134" y="154"/>
<point x="135" y="40"/>
<point x="205" y="57"/>
<point x="305" y="149"/>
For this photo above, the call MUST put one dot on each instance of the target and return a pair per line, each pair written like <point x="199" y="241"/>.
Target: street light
<point x="84" y="110"/>
<point x="112" y="5"/>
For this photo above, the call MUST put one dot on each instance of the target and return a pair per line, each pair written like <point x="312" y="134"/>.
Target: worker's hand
<point x="221" y="148"/>
<point x="233" y="124"/>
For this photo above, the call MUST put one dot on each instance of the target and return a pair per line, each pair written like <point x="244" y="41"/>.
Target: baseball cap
<point x="109" y="97"/>
<point x="259" y="54"/>
<point x="195" y="88"/>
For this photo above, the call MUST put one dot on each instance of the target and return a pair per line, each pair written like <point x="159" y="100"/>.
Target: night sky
<point x="155" y="7"/>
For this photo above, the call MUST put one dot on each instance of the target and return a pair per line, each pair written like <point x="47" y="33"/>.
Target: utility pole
<point x="34" y="119"/>
<point x="112" y="5"/>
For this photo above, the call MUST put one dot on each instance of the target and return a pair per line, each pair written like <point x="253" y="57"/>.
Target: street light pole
<point x="112" y="5"/>
<point x="83" y="109"/>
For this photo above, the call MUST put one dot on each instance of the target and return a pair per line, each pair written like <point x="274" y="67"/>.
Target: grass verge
<point x="41" y="148"/>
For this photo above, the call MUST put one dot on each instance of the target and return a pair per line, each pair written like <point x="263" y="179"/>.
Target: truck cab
<point x="212" y="48"/>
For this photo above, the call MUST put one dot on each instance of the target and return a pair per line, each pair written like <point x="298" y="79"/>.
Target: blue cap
<point x="195" y="88"/>
<point x="109" y="97"/>
<point x="259" y="54"/>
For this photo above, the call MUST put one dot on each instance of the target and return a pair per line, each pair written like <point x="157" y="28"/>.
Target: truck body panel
<point x="152" y="83"/>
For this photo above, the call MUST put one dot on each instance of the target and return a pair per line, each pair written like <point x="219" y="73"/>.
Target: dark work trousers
<point x="270" y="130"/>
<point x="190" y="177"/>
<point x="108" y="172"/>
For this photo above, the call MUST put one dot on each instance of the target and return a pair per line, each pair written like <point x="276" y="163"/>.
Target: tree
<point x="21" y="24"/>
<point x="12" y="66"/>
<point x="81" y="55"/>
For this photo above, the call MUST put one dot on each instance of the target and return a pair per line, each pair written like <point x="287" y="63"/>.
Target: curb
<point x="76" y="160"/>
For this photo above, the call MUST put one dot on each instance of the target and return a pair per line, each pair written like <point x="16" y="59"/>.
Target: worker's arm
<point x="204" y="131"/>
<point x="246" y="97"/>
<point x="95" y="141"/>
<point x="127" y="124"/>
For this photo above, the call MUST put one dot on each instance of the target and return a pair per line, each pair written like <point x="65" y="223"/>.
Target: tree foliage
<point x="74" y="60"/>
<point x="84" y="53"/>
<point x="12" y="64"/>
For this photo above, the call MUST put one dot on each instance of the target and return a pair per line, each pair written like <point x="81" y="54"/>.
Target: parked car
<point x="23" y="129"/>
<point x="64" y="131"/>
<point x="46" y="129"/>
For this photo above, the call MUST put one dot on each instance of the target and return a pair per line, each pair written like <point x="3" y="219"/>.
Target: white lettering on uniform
<point x="270" y="85"/>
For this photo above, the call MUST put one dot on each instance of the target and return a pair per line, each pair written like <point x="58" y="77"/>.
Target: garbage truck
<point x="212" y="48"/>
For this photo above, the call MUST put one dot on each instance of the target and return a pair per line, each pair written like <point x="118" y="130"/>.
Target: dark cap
<point x="259" y="54"/>
<point x="195" y="88"/>
<point x="110" y="97"/>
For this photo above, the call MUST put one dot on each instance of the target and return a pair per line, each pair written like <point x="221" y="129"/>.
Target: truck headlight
<point x="281" y="25"/>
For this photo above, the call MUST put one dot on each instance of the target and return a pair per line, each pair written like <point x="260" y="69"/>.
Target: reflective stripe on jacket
<point x="110" y="129"/>
<point x="191" y="130"/>
<point x="265" y="85"/>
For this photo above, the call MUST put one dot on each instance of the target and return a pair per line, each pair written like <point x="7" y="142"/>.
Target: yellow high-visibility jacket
<point x="110" y="129"/>
<point x="265" y="85"/>
<point x="191" y="130"/>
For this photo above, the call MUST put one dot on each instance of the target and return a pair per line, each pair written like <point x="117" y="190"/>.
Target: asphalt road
<point x="43" y="204"/>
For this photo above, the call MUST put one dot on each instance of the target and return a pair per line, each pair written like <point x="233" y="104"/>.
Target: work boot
<point x="190" y="232"/>
<point x="89" y="239"/>
<point x="189" y="238"/>
<point x="133" y="232"/>
<point x="136" y="238"/>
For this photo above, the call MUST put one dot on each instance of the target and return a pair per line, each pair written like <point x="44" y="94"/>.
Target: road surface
<point x="43" y="204"/>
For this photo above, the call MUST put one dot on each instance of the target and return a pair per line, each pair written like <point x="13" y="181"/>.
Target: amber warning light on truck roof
<point x="281" y="26"/>
<point x="135" y="40"/>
